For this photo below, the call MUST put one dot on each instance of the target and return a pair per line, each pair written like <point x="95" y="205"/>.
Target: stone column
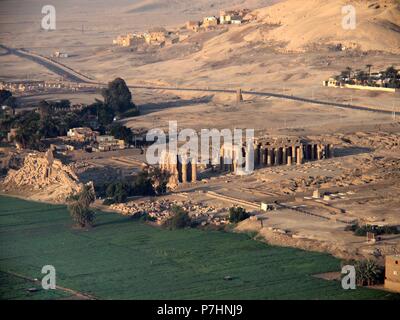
<point x="184" y="170"/>
<point x="278" y="156"/>
<point x="294" y="154"/>
<point x="319" y="152"/>
<point x="284" y="155"/>
<point x="269" y="156"/>
<point x="257" y="155"/>
<point x="249" y="158"/>
<point x="194" y="170"/>
<point x="221" y="163"/>
<point x="312" y="155"/>
<point x="289" y="160"/>
<point x="299" y="155"/>
<point x="331" y="152"/>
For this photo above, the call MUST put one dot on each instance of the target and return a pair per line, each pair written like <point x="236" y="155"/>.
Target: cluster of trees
<point x="364" y="76"/>
<point x="362" y="230"/>
<point x="33" y="126"/>
<point x="149" y="182"/>
<point x="237" y="214"/>
<point x="79" y="207"/>
<point x="180" y="219"/>
<point x="7" y="99"/>
<point x="368" y="272"/>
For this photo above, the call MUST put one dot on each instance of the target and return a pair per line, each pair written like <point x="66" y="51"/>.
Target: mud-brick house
<point x="83" y="134"/>
<point x="210" y="22"/>
<point x="109" y="143"/>
<point x="193" y="26"/>
<point x="392" y="273"/>
<point x="156" y="36"/>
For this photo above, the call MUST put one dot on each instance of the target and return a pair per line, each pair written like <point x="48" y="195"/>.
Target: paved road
<point x="73" y="75"/>
<point x="54" y="66"/>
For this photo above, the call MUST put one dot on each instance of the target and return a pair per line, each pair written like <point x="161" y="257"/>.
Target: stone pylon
<point x="239" y="96"/>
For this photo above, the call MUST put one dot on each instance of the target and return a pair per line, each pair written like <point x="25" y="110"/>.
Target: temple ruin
<point x="182" y="167"/>
<point x="270" y="152"/>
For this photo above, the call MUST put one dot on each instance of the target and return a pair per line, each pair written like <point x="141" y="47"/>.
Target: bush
<point x="361" y="231"/>
<point x="108" y="201"/>
<point x="237" y="214"/>
<point x="179" y="220"/>
<point x="146" y="217"/>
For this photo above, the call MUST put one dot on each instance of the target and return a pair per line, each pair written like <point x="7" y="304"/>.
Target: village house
<point x="108" y="143"/>
<point x="128" y="40"/>
<point x="232" y="16"/>
<point x="193" y="26"/>
<point x="210" y="22"/>
<point x="58" y="54"/>
<point x="83" y="134"/>
<point x="156" y="36"/>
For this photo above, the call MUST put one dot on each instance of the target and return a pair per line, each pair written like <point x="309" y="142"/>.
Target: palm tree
<point x="368" y="273"/>
<point x="349" y="69"/>
<point x="369" y="66"/>
<point x="87" y="196"/>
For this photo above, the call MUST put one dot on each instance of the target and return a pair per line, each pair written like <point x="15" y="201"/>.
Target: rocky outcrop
<point x="43" y="178"/>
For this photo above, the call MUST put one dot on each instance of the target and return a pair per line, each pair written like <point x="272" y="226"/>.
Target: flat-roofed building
<point x="392" y="273"/>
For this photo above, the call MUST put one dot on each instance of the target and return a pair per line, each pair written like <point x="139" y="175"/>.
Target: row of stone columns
<point x="179" y="168"/>
<point x="296" y="154"/>
<point x="184" y="174"/>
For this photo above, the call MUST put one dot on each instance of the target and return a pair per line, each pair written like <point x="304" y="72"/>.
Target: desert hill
<point x="305" y="23"/>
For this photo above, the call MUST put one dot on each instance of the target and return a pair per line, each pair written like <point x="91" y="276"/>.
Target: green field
<point x="124" y="259"/>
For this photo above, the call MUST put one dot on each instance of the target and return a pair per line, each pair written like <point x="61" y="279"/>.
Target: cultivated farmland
<point x="124" y="259"/>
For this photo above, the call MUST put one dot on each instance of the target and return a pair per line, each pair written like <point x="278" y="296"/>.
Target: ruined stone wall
<point x="43" y="178"/>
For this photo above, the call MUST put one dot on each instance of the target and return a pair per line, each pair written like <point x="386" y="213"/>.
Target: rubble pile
<point x="162" y="210"/>
<point x="374" y="140"/>
<point x="46" y="178"/>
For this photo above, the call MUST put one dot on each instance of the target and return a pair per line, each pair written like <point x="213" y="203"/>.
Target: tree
<point x="44" y="109"/>
<point x="159" y="180"/>
<point x="4" y="95"/>
<point x="368" y="273"/>
<point x="121" y="132"/>
<point x="391" y="73"/>
<point x="369" y="66"/>
<point x="349" y="70"/>
<point x="81" y="215"/>
<point x="237" y="214"/>
<point x="117" y="96"/>
<point x="79" y="206"/>
<point x="179" y="220"/>
<point x="118" y="192"/>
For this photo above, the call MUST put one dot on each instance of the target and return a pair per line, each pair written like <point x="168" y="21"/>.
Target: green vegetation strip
<point x="125" y="259"/>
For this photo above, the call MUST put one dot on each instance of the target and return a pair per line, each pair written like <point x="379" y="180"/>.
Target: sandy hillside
<point x="308" y="22"/>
